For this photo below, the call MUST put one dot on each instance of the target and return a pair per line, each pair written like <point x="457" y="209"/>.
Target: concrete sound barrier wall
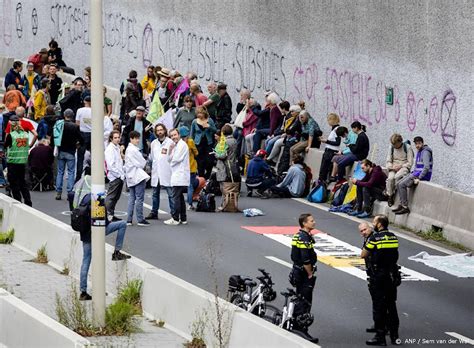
<point x="21" y="325"/>
<point x="164" y="296"/>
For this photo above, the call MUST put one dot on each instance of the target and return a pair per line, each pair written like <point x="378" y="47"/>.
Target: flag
<point x="156" y="109"/>
<point x="166" y="119"/>
<point x="182" y="87"/>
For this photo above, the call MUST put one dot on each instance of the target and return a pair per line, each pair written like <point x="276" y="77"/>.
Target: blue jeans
<point x="260" y="134"/>
<point x="270" y="142"/>
<point x="69" y="160"/>
<point x="120" y="227"/>
<point x="193" y="184"/>
<point x="348" y="160"/>
<point x="155" y="205"/>
<point x="135" y="201"/>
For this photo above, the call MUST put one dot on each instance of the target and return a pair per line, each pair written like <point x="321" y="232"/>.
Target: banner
<point x="183" y="86"/>
<point x="156" y="109"/>
<point x="167" y="119"/>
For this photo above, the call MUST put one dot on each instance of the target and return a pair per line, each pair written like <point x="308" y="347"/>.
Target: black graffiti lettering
<point x="34" y="21"/>
<point x="239" y="59"/>
<point x="147" y="45"/>
<point x="18" y="17"/>
<point x="448" y="118"/>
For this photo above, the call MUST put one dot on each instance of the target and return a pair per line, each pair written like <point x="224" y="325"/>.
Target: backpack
<point x="213" y="185"/>
<point x="206" y="202"/>
<point x="340" y="194"/>
<point x="58" y="132"/>
<point x="406" y="143"/>
<point x="81" y="217"/>
<point x="42" y="129"/>
<point x="230" y="192"/>
<point x="319" y="194"/>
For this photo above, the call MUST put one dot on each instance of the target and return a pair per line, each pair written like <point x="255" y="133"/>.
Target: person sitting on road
<point x="399" y="162"/>
<point x="369" y="189"/>
<point x="259" y="175"/>
<point x="82" y="196"/>
<point x="294" y="183"/>
<point x="423" y="170"/>
<point x="359" y="150"/>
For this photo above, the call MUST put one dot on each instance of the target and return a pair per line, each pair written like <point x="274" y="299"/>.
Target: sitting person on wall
<point x="333" y="143"/>
<point x="275" y="118"/>
<point x="310" y="133"/>
<point x="40" y="161"/>
<point x="349" y="139"/>
<point x="259" y="174"/>
<point x="423" y="171"/>
<point x="294" y="183"/>
<point x="359" y="150"/>
<point x="369" y="189"/>
<point x="399" y="162"/>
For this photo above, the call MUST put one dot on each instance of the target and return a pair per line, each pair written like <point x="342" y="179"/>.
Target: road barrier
<point x="22" y="325"/>
<point x="164" y="296"/>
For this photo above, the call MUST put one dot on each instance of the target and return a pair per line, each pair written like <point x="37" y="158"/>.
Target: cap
<point x="30" y="64"/>
<point x="183" y="131"/>
<point x="14" y="118"/>
<point x="78" y="79"/>
<point x="261" y="153"/>
<point x="140" y="108"/>
<point x="87" y="98"/>
<point x="295" y="108"/>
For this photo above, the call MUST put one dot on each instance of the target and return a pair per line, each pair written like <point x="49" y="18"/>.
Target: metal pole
<point x="97" y="165"/>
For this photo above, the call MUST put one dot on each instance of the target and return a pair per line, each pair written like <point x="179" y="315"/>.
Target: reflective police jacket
<point x="383" y="249"/>
<point x="302" y="249"/>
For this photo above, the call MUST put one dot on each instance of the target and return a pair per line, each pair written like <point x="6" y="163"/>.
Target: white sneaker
<point x="171" y="222"/>
<point x="183" y="222"/>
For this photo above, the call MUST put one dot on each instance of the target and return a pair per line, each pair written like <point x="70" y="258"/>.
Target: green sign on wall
<point x="389" y="95"/>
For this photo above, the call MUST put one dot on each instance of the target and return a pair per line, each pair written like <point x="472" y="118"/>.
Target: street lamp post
<point x="97" y="165"/>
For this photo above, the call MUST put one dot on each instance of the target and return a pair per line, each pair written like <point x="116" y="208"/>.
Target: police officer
<point x="304" y="258"/>
<point x="381" y="254"/>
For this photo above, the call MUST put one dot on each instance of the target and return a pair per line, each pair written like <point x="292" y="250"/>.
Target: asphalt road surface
<point x="430" y="305"/>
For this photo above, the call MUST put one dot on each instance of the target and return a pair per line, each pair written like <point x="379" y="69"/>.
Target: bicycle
<point x="245" y="297"/>
<point x="287" y="320"/>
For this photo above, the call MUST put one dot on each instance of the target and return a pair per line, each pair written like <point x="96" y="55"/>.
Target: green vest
<point x="18" y="152"/>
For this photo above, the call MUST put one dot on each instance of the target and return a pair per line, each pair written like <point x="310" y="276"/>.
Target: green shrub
<point x="7" y="237"/>
<point x="119" y="319"/>
<point x="131" y="294"/>
<point x="73" y="314"/>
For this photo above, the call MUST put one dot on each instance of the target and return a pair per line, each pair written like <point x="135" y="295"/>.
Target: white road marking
<point x="462" y="339"/>
<point x="341" y="252"/>
<point x="399" y="234"/>
<point x="280" y="261"/>
<point x="159" y="211"/>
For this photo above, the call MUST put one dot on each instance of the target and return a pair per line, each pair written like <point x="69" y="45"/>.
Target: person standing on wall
<point x="16" y="143"/>
<point x="180" y="177"/>
<point x="381" y="253"/>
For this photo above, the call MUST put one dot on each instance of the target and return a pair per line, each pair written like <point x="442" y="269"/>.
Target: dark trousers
<point x="347" y="160"/>
<point x="262" y="185"/>
<point x="113" y="195"/>
<point x="205" y="161"/>
<point x="306" y="287"/>
<point x="366" y="197"/>
<point x="384" y="297"/>
<point x="283" y="192"/>
<point x="18" y="186"/>
<point x="80" y="154"/>
<point x="179" y="209"/>
<point x="259" y="135"/>
<point x="326" y="164"/>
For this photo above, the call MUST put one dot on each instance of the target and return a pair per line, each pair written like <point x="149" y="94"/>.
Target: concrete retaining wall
<point x="164" y="296"/>
<point x="337" y="55"/>
<point x="21" y="325"/>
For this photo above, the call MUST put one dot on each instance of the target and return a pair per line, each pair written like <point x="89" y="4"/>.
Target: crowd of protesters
<point x="263" y="138"/>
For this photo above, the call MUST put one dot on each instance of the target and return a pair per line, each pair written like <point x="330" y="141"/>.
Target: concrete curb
<point x="22" y="325"/>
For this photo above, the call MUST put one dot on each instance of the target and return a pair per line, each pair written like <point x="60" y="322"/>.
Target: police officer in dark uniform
<point x="381" y="253"/>
<point x="304" y="258"/>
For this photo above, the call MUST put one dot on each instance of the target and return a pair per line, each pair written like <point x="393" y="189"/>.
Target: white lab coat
<point x="179" y="161"/>
<point x="134" y="164"/>
<point x="160" y="166"/>
<point x="114" y="162"/>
